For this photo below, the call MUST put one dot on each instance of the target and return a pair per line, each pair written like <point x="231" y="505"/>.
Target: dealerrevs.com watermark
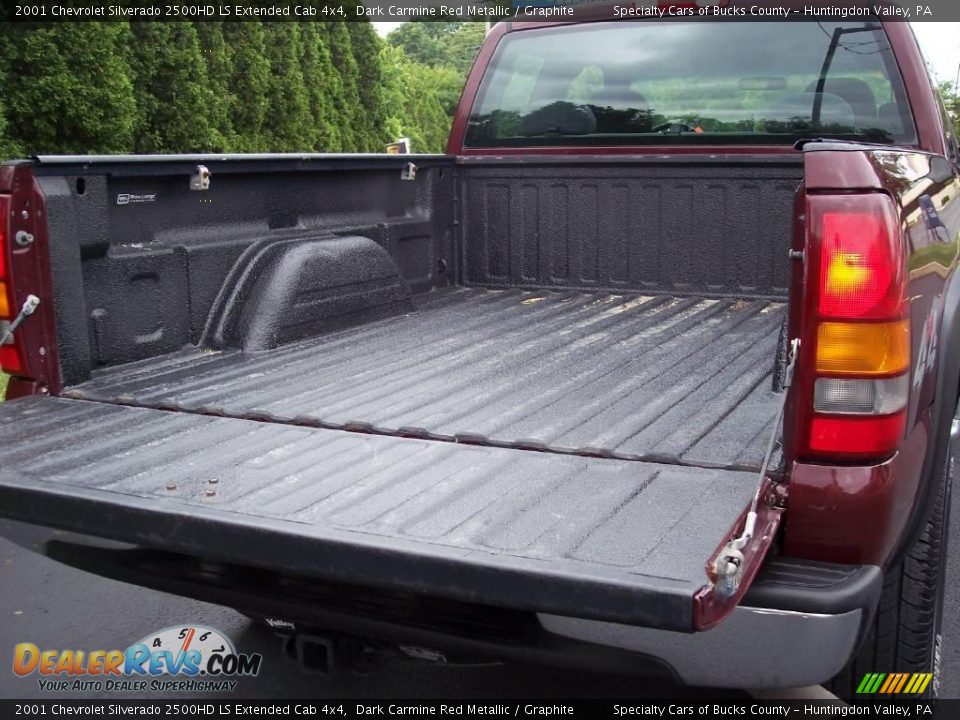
<point x="176" y="659"/>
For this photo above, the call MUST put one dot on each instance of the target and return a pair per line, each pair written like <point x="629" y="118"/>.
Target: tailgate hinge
<point x="729" y="562"/>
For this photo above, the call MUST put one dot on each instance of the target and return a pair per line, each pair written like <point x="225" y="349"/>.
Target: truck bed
<point x="680" y="380"/>
<point x="586" y="537"/>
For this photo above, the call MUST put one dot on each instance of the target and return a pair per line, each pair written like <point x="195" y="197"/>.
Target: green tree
<point x="423" y="41"/>
<point x="322" y="83"/>
<point x="72" y="91"/>
<point x="172" y="89"/>
<point x="459" y="48"/>
<point x="443" y="53"/>
<point x="289" y="125"/>
<point x="366" y="47"/>
<point x="412" y="92"/>
<point x="347" y="101"/>
<point x="8" y="148"/>
<point x="951" y="101"/>
<point x="217" y="57"/>
<point x="248" y="83"/>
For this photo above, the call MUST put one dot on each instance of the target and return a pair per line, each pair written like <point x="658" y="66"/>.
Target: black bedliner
<point x="673" y="379"/>
<point x="599" y="538"/>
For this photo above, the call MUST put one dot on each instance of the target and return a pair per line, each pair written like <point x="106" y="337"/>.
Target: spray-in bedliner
<point x="673" y="379"/>
<point x="588" y="537"/>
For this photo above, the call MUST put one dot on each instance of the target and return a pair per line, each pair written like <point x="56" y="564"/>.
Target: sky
<point x="940" y="42"/>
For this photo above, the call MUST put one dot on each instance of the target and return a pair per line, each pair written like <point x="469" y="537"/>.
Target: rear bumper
<point x="753" y="648"/>
<point x="799" y="625"/>
<point x="804" y="623"/>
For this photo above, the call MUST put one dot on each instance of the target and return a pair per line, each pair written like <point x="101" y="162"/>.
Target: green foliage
<point x="425" y="65"/>
<point x="172" y="89"/>
<point x="420" y="41"/>
<point x="69" y="90"/>
<point x="288" y="104"/>
<point x="217" y="57"/>
<point x="178" y="87"/>
<point x="8" y="148"/>
<point x="349" y="109"/>
<point x="366" y="49"/>
<point x="414" y="94"/>
<point x="950" y="94"/>
<point x="247" y="84"/>
<point x="322" y="83"/>
<point x="460" y="47"/>
<point x="453" y="44"/>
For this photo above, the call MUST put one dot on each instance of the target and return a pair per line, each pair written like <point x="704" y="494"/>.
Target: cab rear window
<point x="630" y="83"/>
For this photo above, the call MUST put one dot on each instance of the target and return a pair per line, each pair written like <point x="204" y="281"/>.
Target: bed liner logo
<point x="135" y="198"/>
<point x="182" y="658"/>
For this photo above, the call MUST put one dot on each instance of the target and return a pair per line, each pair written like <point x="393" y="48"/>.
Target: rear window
<point x="629" y="83"/>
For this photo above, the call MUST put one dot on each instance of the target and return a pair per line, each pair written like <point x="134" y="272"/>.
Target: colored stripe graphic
<point x="894" y="683"/>
<point x="903" y="681"/>
<point x="862" y="687"/>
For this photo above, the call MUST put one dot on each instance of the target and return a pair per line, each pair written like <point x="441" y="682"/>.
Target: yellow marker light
<point x="4" y="302"/>
<point x="863" y="348"/>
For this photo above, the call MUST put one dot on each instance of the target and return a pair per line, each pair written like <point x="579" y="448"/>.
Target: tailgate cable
<point x="729" y="562"/>
<point x="29" y="306"/>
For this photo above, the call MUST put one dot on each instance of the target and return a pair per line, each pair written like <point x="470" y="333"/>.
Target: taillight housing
<point x="855" y="354"/>
<point x="11" y="356"/>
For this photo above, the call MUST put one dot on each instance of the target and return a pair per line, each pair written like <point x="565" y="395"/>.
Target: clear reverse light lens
<point x="860" y="397"/>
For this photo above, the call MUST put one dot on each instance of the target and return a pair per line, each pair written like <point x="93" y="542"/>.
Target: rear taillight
<point x="11" y="357"/>
<point x="859" y="361"/>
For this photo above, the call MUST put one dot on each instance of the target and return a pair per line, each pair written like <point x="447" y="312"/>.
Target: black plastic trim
<point x="816" y="587"/>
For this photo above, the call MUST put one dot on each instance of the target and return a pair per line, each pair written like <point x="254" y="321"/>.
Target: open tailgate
<point x="608" y="539"/>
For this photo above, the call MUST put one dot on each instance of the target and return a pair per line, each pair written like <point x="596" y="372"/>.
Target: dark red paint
<point x="841" y="512"/>
<point x="709" y="605"/>
<point x="30" y="268"/>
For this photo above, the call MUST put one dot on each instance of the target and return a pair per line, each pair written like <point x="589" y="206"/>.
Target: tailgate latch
<point x="728" y="566"/>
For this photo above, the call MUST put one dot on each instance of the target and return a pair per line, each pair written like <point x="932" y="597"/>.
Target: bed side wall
<point x="139" y="258"/>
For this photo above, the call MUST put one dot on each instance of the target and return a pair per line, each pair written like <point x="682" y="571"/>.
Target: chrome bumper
<point x="754" y="648"/>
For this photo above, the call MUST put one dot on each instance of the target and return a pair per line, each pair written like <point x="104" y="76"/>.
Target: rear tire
<point x="905" y="634"/>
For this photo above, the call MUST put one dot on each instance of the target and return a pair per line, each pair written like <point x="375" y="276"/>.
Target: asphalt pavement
<point x="55" y="606"/>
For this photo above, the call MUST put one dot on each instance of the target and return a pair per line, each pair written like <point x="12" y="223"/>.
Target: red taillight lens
<point x="856" y="354"/>
<point x="860" y="269"/>
<point x="10" y="361"/>
<point x="850" y="436"/>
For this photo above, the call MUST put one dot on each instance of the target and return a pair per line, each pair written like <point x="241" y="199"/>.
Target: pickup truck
<point x="655" y="370"/>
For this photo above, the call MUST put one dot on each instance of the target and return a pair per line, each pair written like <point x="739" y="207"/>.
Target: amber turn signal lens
<point x="4" y="302"/>
<point x="863" y="348"/>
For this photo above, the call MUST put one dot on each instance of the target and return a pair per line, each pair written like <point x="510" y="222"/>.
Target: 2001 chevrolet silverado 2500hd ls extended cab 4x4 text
<point x="517" y="400"/>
